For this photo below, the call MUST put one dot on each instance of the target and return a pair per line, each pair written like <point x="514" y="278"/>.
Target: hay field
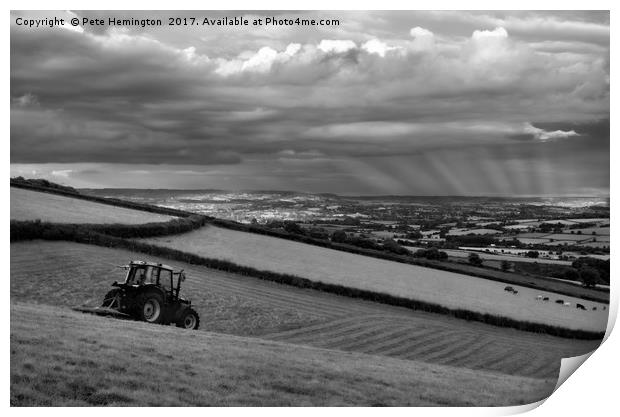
<point x="60" y="357"/>
<point x="33" y="205"/>
<point x="67" y="274"/>
<point x="449" y="289"/>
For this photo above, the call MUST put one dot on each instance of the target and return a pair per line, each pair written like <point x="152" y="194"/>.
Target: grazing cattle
<point x="567" y="304"/>
<point x="545" y="298"/>
<point x="559" y="301"/>
<point x="509" y="288"/>
<point x="594" y="308"/>
<point x="580" y="306"/>
<point x="515" y="292"/>
<point x="539" y="298"/>
<point x="604" y="307"/>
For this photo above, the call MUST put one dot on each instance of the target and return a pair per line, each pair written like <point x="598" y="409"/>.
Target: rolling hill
<point x="33" y="205"/>
<point x="61" y="357"/>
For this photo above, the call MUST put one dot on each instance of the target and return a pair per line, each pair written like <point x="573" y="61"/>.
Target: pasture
<point x="464" y="254"/>
<point x="33" y="205"/>
<point x="64" y="358"/>
<point x="452" y="290"/>
<point x="68" y="274"/>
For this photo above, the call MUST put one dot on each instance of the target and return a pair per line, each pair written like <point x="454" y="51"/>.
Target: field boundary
<point x="137" y="232"/>
<point x="85" y="234"/>
<point x="36" y="229"/>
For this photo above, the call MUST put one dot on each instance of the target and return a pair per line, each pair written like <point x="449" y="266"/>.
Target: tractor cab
<point x="141" y="273"/>
<point x="150" y="292"/>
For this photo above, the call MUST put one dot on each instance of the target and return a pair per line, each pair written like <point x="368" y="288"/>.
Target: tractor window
<point x="151" y="275"/>
<point x="165" y="279"/>
<point x="136" y="275"/>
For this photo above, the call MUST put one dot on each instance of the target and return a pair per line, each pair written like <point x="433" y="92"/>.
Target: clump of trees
<point x="391" y="246"/>
<point x="594" y="269"/>
<point x="431" y="253"/>
<point x="469" y="240"/>
<point x="551" y="227"/>
<point x="589" y="276"/>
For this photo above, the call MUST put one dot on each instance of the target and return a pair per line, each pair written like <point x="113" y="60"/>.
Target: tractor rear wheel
<point x="112" y="299"/>
<point x="151" y="308"/>
<point x="189" y="320"/>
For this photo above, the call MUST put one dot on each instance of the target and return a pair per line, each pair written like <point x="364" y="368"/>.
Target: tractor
<point x="151" y="293"/>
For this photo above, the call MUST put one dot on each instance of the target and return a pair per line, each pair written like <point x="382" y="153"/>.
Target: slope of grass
<point x="68" y="274"/>
<point x="448" y="289"/>
<point x="32" y="205"/>
<point x="60" y="357"/>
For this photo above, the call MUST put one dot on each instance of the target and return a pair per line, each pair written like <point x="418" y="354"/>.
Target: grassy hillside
<point x="60" y="357"/>
<point x="32" y="205"/>
<point x="452" y="290"/>
<point x="68" y="274"/>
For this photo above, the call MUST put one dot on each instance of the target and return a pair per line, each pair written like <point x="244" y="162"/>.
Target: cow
<point x="580" y="306"/>
<point x="539" y="298"/>
<point x="545" y="298"/>
<point x="604" y="307"/>
<point x="567" y="304"/>
<point x="559" y="301"/>
<point x="515" y="292"/>
<point x="509" y="289"/>
<point x="593" y="308"/>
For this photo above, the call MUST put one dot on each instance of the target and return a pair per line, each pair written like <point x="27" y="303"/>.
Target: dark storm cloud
<point x="380" y="85"/>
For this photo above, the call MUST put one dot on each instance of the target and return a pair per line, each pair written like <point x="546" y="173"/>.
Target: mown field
<point x="68" y="274"/>
<point x="448" y="289"/>
<point x="33" y="205"/>
<point x="61" y="357"/>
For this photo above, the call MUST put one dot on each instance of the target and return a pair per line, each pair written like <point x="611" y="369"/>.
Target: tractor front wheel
<point x="189" y="320"/>
<point x="150" y="308"/>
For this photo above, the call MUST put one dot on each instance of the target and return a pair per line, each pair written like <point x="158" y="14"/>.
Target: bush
<point x="339" y="236"/>
<point x="318" y="233"/>
<point x="474" y="259"/>
<point x="391" y="246"/>
<point x="506" y="266"/>
<point x="294" y="228"/>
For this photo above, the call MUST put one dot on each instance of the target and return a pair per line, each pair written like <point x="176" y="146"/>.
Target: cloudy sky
<point x="421" y="103"/>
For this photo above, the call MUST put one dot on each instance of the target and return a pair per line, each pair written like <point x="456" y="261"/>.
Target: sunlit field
<point x="33" y="205"/>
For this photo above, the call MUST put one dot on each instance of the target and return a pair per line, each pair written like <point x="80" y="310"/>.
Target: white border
<point x="589" y="392"/>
